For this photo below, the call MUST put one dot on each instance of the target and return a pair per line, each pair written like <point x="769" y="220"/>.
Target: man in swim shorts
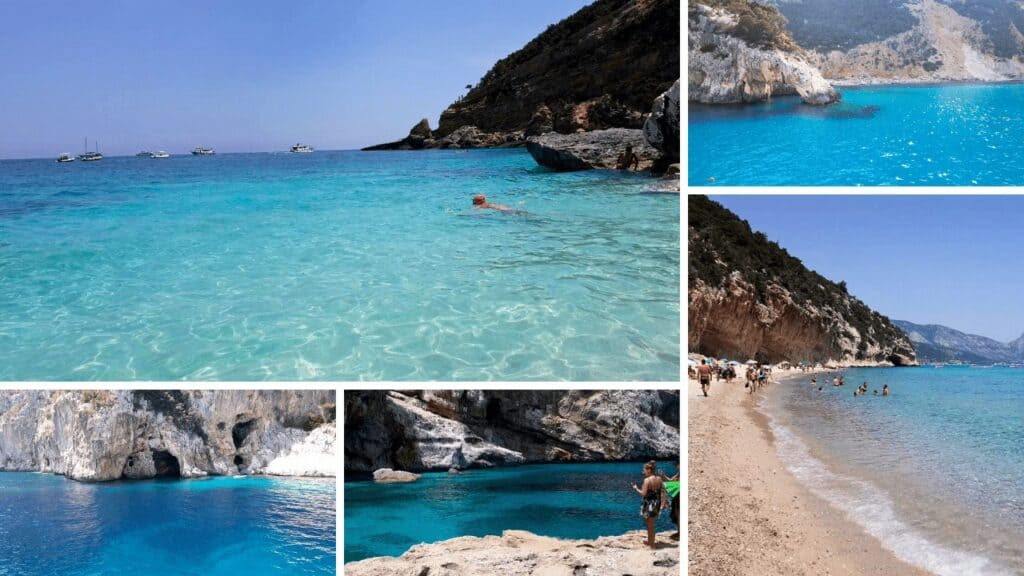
<point x="704" y="376"/>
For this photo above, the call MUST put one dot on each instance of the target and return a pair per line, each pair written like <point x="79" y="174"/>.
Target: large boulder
<point x="388" y="476"/>
<point x="586" y="150"/>
<point x="661" y="130"/>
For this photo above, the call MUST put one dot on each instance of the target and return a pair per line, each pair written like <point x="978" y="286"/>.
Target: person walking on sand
<point x="652" y="494"/>
<point x="704" y="376"/>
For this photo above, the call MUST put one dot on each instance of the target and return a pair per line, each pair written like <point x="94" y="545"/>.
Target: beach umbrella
<point x="691" y="362"/>
<point x="751" y="361"/>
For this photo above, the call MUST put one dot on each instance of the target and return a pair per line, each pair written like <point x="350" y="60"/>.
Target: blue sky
<point x="244" y="76"/>
<point x="950" y="260"/>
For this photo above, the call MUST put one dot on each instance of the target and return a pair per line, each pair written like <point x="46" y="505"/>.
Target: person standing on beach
<point x="652" y="493"/>
<point x="704" y="376"/>
<point x="628" y="159"/>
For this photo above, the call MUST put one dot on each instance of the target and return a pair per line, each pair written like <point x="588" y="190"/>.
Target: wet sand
<point x="748" y="515"/>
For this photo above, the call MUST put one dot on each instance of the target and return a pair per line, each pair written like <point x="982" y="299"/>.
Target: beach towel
<point x="672" y="488"/>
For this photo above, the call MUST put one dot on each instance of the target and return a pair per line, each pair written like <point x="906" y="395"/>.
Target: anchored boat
<point x="301" y="149"/>
<point x="90" y="156"/>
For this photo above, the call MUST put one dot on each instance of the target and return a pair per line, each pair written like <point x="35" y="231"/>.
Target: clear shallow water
<point x="935" y="471"/>
<point x="213" y="527"/>
<point x="906" y="135"/>
<point x="559" y="500"/>
<point x="334" y="265"/>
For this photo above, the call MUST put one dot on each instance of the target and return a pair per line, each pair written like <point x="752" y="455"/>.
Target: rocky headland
<point x="934" y="41"/>
<point x="749" y="298"/>
<point x="740" y="51"/>
<point x="440" y="429"/>
<point x="602" y="68"/>
<point x="519" y="553"/>
<point x="101" y="435"/>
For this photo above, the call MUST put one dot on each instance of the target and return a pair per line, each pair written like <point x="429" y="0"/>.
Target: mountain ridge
<point x="938" y="343"/>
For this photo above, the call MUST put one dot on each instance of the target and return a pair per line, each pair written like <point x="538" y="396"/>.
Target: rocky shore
<point x="519" y="553"/>
<point x="444" y="429"/>
<point x="577" y="94"/>
<point x="728" y="64"/>
<point x="101" y="435"/>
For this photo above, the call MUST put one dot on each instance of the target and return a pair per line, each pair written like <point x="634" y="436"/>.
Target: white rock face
<point x="442" y="429"/>
<point x="520" y="553"/>
<point x="107" y="435"/>
<point x="313" y="456"/>
<point x="725" y="69"/>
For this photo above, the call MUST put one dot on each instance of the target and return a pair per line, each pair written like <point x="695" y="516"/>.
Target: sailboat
<point x="91" y="156"/>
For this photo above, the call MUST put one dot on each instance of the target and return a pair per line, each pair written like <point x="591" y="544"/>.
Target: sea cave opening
<point x="241" y="431"/>
<point x="494" y="410"/>
<point x="166" y="465"/>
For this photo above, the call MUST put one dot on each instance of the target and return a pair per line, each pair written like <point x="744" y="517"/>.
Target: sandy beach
<point x="747" y="514"/>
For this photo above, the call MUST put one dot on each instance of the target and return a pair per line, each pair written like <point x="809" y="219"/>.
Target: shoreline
<point x="748" y="514"/>
<point x="362" y="476"/>
<point x="522" y="553"/>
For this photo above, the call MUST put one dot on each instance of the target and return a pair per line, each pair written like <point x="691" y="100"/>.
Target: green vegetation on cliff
<point x="759" y="25"/>
<point x="720" y="243"/>
<point x="619" y="55"/>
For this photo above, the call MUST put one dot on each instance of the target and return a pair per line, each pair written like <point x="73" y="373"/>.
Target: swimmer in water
<point x="480" y="201"/>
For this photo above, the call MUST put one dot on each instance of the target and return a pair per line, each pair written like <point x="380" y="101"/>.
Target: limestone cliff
<point x="896" y="41"/>
<point x="98" y="435"/>
<point x="438" y="429"/>
<point x="748" y="298"/>
<point x="599" y="68"/>
<point x="739" y="52"/>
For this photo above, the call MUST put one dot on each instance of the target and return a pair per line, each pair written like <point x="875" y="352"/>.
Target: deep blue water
<point x="335" y="265"/>
<point x="213" y="527"/>
<point x="559" y="500"/>
<point x="953" y="135"/>
<point x="936" y="470"/>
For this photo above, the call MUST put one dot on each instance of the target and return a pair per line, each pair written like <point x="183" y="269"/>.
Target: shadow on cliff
<point x="782" y="106"/>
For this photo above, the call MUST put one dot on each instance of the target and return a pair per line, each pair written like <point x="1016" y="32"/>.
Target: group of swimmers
<point x="654" y="499"/>
<point x="861" y="390"/>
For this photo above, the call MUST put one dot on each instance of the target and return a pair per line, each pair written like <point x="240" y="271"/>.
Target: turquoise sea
<point x="559" y="500"/>
<point x="335" y="265"/>
<point x="952" y="135"/>
<point x="213" y="527"/>
<point x="935" y="471"/>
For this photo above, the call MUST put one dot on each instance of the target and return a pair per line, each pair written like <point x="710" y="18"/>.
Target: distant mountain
<point x="749" y="298"/>
<point x="915" y="41"/>
<point x="936" y="343"/>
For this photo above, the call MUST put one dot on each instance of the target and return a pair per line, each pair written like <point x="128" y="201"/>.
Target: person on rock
<point x="628" y="159"/>
<point x="652" y="494"/>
